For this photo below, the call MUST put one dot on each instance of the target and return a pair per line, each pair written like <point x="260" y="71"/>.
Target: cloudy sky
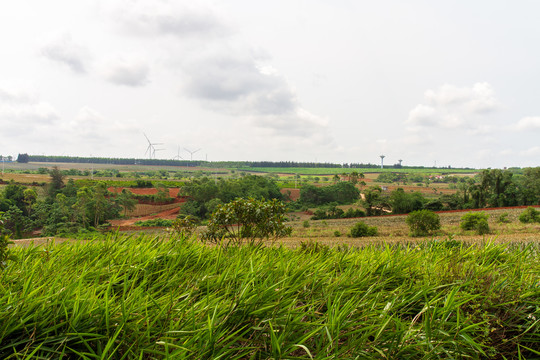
<point x="428" y="82"/>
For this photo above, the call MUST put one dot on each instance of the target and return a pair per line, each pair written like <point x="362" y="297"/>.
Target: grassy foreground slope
<point x="147" y="298"/>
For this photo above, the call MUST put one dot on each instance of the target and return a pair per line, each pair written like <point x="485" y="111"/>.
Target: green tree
<point x="127" y="201"/>
<point x="361" y="229"/>
<point x="404" y="203"/>
<point x="248" y="220"/>
<point x="57" y="182"/>
<point x="372" y="200"/>
<point x="423" y="222"/>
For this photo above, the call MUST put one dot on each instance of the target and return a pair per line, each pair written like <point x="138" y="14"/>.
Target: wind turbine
<point x="191" y="152"/>
<point x="178" y="157"/>
<point x="151" y="150"/>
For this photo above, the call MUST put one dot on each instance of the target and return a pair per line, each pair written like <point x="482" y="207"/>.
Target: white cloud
<point x="533" y="151"/>
<point x="62" y="49"/>
<point x="21" y="111"/>
<point x="453" y="107"/>
<point x="16" y="94"/>
<point x="129" y="72"/>
<point x="476" y="99"/>
<point x="528" y="123"/>
<point x="149" y="18"/>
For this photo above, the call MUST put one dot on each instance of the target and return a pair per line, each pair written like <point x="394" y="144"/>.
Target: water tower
<point x="382" y="161"/>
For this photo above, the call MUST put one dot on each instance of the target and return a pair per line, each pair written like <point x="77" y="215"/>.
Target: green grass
<point x="148" y="298"/>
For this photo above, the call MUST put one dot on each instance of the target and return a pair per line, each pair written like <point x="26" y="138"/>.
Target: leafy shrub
<point x="423" y="222"/>
<point x="4" y="242"/>
<point x="154" y="222"/>
<point x="305" y="223"/>
<point x="361" y="229"/>
<point x="503" y="218"/>
<point x="475" y="221"/>
<point x="184" y="226"/>
<point x="530" y="215"/>
<point x="337" y="233"/>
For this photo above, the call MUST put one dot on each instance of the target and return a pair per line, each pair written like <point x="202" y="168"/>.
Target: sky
<point x="445" y="83"/>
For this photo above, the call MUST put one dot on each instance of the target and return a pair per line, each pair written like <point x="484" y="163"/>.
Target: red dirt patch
<point x="294" y="193"/>
<point x="167" y="214"/>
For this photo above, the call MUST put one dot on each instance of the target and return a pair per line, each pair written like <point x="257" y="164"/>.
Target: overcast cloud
<point x="63" y="50"/>
<point x="451" y="83"/>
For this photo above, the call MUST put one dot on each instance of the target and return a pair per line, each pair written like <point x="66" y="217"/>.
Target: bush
<point x="305" y="223"/>
<point x="503" y="218"/>
<point x="361" y="229"/>
<point x="337" y="233"/>
<point x="184" y="226"/>
<point x="423" y="222"/>
<point x="247" y="220"/>
<point x="154" y="222"/>
<point x="5" y="254"/>
<point x="530" y="215"/>
<point x="475" y="221"/>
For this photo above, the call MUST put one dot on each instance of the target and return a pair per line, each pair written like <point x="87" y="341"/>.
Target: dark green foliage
<point x="373" y="201"/>
<point x="143" y="184"/>
<point x="23" y="158"/>
<point x="434" y="205"/>
<point x="205" y="194"/>
<point x="154" y="222"/>
<point x="530" y="215"/>
<point x="334" y="212"/>
<point x="388" y="177"/>
<point x="423" y="222"/>
<point x="343" y="192"/>
<point x="477" y="221"/>
<point x="247" y="220"/>
<point x="57" y="182"/>
<point x="361" y="229"/>
<point x="403" y="203"/>
<point x="5" y="254"/>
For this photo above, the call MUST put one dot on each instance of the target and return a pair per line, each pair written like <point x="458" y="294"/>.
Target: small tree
<point x="127" y="201"/>
<point x="423" y="222"/>
<point x="475" y="221"/>
<point x="184" y="226"/>
<point x="247" y="219"/>
<point x="361" y="229"/>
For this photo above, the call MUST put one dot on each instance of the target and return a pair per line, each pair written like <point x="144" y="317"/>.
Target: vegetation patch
<point x="148" y="297"/>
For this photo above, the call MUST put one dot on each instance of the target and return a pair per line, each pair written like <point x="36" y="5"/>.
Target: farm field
<point x="153" y="297"/>
<point x="333" y="171"/>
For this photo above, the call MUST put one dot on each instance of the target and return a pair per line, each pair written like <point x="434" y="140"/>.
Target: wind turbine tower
<point x="178" y="157"/>
<point x="382" y="161"/>
<point x="191" y="152"/>
<point x="151" y="150"/>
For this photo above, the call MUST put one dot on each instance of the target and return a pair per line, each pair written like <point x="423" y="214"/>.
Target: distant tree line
<point x="23" y="158"/>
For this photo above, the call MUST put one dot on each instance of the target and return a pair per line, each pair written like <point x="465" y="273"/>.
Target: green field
<point x="333" y="171"/>
<point x="153" y="298"/>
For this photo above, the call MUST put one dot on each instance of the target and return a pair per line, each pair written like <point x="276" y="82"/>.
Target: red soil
<point x="167" y="214"/>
